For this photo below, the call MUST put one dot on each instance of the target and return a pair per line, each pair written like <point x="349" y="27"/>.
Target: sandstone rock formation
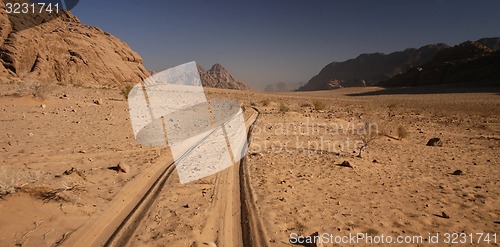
<point x="368" y="69"/>
<point x="219" y="77"/>
<point x="62" y="50"/>
<point x="469" y="63"/>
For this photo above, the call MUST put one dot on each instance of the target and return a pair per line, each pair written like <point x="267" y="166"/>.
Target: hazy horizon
<point x="283" y="41"/>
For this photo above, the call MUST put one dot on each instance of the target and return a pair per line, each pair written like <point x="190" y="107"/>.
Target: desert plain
<point x="68" y="158"/>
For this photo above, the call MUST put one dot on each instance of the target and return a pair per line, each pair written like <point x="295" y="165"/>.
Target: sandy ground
<point x="55" y="155"/>
<point x="398" y="187"/>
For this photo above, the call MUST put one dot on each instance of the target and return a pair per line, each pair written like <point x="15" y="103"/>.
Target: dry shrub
<point x="391" y="109"/>
<point x="37" y="90"/>
<point x="13" y="180"/>
<point x="402" y="132"/>
<point x="284" y="108"/>
<point x="319" y="105"/>
<point x="57" y="195"/>
<point x="266" y="102"/>
<point x="126" y="90"/>
<point x="369" y="131"/>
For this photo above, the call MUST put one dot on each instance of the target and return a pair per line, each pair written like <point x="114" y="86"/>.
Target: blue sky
<point x="270" y="41"/>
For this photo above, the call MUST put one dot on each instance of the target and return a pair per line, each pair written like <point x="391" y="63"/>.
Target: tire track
<point x="233" y="202"/>
<point x="253" y="231"/>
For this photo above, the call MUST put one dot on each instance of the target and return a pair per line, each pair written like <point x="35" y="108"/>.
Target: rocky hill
<point x="62" y="50"/>
<point x="469" y="63"/>
<point x="368" y="69"/>
<point x="492" y="43"/>
<point x="218" y="77"/>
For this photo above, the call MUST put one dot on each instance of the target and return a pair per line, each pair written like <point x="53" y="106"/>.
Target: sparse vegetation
<point x="37" y="90"/>
<point x="369" y="132"/>
<point x="266" y="102"/>
<point x="390" y="110"/>
<point x="283" y="107"/>
<point x="319" y="105"/>
<point x="402" y="132"/>
<point x="126" y="90"/>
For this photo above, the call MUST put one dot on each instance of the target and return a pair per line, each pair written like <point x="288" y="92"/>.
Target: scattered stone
<point x="256" y="154"/>
<point x="444" y="215"/>
<point x="434" y="142"/>
<point x="98" y="101"/>
<point x="122" y="167"/>
<point x="186" y="206"/>
<point x="457" y="173"/>
<point x="43" y="106"/>
<point x="374" y="161"/>
<point x="82" y="151"/>
<point x="73" y="170"/>
<point x="31" y="134"/>
<point x="346" y="164"/>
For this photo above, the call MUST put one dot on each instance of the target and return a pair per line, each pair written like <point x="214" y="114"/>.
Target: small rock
<point x="186" y="206"/>
<point x="434" y="142"/>
<point x="346" y="164"/>
<point x="31" y="134"/>
<point x="82" y="151"/>
<point x="43" y="106"/>
<point x="98" y="101"/>
<point x="374" y="161"/>
<point x="122" y="167"/>
<point x="457" y="173"/>
<point x="444" y="215"/>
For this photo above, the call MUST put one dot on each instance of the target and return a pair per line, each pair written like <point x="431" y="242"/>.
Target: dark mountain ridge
<point x="388" y="69"/>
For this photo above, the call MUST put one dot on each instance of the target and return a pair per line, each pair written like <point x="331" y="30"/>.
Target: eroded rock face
<point x="65" y="51"/>
<point x="219" y="77"/>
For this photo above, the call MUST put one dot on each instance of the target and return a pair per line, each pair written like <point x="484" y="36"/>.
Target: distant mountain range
<point x="283" y="86"/>
<point x="403" y="68"/>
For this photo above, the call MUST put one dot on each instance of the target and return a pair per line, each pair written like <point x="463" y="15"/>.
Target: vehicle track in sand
<point x="231" y="219"/>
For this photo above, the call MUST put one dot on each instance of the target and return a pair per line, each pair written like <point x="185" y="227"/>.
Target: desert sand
<point x="56" y="184"/>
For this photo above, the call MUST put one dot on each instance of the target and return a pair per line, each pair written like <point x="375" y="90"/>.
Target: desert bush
<point x="319" y="105"/>
<point x="283" y="107"/>
<point x="13" y="180"/>
<point x="37" y="90"/>
<point x="391" y="110"/>
<point x="402" y="132"/>
<point x="126" y="90"/>
<point x="266" y="102"/>
<point x="369" y="131"/>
